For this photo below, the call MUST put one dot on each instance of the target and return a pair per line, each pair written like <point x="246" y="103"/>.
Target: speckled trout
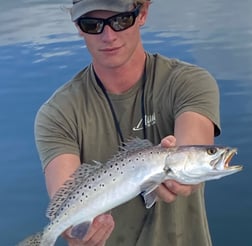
<point x="139" y="168"/>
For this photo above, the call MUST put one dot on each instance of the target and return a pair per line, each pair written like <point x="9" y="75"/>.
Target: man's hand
<point x="97" y="234"/>
<point x="170" y="189"/>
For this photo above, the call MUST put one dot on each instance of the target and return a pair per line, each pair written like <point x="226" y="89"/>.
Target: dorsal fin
<point x="81" y="174"/>
<point x="130" y="147"/>
<point x="136" y="144"/>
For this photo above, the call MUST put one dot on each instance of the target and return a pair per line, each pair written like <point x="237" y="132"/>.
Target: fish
<point x="33" y="240"/>
<point x="137" y="169"/>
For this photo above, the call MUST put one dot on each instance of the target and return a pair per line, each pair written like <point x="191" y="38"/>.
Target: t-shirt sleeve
<point x="54" y="133"/>
<point x="194" y="89"/>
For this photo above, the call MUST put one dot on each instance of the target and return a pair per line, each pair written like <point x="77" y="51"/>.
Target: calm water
<point x="40" y="50"/>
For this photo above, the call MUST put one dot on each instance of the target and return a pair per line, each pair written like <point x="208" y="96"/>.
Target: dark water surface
<point x="40" y="50"/>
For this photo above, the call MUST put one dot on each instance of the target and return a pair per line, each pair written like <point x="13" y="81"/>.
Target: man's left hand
<point x="170" y="189"/>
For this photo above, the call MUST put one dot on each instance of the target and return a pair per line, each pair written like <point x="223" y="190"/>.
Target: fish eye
<point x="211" y="150"/>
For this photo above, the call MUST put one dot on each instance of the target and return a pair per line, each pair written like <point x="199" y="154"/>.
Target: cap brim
<point x="85" y="6"/>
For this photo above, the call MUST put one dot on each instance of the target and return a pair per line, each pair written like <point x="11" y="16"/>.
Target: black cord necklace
<point x="116" y="122"/>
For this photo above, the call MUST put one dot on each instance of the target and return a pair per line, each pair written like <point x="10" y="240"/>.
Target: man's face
<point x="112" y="49"/>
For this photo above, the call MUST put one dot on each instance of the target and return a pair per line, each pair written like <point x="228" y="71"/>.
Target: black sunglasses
<point x="117" y="22"/>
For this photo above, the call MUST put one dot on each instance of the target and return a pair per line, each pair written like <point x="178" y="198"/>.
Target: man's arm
<point x="59" y="170"/>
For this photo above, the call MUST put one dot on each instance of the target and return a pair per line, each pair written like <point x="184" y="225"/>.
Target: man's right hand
<point x="97" y="234"/>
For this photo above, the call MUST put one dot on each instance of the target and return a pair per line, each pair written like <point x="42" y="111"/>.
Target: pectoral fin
<point x="150" y="199"/>
<point x="149" y="194"/>
<point x="79" y="231"/>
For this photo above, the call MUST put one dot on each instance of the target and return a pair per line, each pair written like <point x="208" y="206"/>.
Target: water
<point x="40" y="50"/>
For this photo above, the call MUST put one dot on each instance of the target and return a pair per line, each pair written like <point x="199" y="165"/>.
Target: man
<point x="126" y="92"/>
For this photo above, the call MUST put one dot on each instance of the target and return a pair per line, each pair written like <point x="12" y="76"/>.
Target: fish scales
<point x="84" y="177"/>
<point x="137" y="169"/>
<point x="33" y="240"/>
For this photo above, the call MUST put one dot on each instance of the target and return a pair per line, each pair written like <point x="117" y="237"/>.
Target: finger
<point x="100" y="230"/>
<point x="100" y="237"/>
<point x="75" y="242"/>
<point x="97" y="223"/>
<point x="168" y="141"/>
<point x="165" y="194"/>
<point x="180" y="189"/>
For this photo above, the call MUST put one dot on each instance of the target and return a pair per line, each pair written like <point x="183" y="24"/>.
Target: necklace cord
<point x="116" y="122"/>
<point x="143" y="109"/>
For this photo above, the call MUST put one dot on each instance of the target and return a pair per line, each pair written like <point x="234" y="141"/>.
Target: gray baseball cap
<point x="81" y="7"/>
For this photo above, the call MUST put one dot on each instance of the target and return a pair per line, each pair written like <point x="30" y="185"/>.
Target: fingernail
<point x="102" y="218"/>
<point x="168" y="184"/>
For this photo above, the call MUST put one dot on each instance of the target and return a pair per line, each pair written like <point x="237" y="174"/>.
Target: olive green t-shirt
<point x="77" y="119"/>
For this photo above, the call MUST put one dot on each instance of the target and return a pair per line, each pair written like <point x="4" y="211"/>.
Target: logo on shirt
<point x="149" y="121"/>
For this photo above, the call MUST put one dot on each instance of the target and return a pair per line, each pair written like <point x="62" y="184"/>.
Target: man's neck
<point x="117" y="80"/>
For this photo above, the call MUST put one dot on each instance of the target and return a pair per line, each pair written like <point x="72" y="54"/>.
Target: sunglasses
<point x="117" y="22"/>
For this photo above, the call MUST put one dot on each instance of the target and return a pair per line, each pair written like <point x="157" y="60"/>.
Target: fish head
<point x="198" y="163"/>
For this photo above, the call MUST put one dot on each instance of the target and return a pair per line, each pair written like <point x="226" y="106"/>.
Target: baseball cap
<point x="81" y="7"/>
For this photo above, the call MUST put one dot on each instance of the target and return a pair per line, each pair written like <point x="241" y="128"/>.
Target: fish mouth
<point x="223" y="163"/>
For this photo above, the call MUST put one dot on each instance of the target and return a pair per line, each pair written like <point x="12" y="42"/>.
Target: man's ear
<point x="144" y="13"/>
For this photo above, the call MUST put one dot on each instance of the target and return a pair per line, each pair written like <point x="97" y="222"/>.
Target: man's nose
<point x="108" y="33"/>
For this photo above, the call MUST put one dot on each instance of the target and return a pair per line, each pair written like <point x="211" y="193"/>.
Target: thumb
<point x="168" y="141"/>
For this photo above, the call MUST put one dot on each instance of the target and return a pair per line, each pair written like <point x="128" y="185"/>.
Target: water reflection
<point x="36" y="22"/>
<point x="218" y="32"/>
<point x="40" y="50"/>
